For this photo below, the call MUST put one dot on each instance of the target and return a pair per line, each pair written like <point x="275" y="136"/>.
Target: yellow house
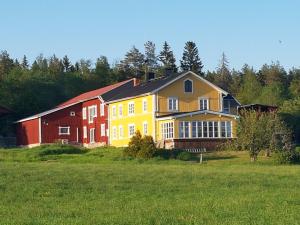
<point x="179" y="111"/>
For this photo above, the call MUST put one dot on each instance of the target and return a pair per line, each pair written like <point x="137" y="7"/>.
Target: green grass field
<point x="42" y="186"/>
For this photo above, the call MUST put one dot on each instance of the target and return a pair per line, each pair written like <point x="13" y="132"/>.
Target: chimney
<point x="136" y="82"/>
<point x="150" y="76"/>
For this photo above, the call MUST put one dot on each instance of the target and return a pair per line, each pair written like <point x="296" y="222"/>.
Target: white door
<point x="92" y="135"/>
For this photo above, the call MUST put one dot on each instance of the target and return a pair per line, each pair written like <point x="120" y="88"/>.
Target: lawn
<point x="42" y="186"/>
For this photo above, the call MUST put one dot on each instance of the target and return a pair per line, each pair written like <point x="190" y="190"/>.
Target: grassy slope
<point x="99" y="187"/>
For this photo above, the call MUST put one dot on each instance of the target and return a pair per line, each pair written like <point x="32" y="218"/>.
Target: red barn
<point x="81" y="120"/>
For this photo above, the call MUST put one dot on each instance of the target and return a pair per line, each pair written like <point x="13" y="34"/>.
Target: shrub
<point x="185" y="156"/>
<point x="148" y="148"/>
<point x="139" y="147"/>
<point x="60" y="149"/>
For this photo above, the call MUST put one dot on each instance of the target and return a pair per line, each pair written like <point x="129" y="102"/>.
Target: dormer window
<point x="188" y="86"/>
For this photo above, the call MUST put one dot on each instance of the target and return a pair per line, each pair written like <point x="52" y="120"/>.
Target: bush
<point x="148" y="148"/>
<point x="139" y="147"/>
<point x="185" y="156"/>
<point x="60" y="149"/>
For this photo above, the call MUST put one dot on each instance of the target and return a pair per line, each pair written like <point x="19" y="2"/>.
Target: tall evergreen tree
<point x="6" y="64"/>
<point x="150" y="56"/>
<point x="223" y="78"/>
<point x="190" y="59"/>
<point x="66" y="64"/>
<point x="25" y="64"/>
<point x="134" y="61"/>
<point x="55" y="65"/>
<point x="167" y="58"/>
<point x="102" y="70"/>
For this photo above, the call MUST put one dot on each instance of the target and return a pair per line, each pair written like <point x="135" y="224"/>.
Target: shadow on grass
<point x="218" y="157"/>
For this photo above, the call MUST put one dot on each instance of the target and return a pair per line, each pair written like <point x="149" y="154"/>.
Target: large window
<point x="130" y="108"/>
<point x="64" y="130"/>
<point x="145" y="105"/>
<point x="131" y="130"/>
<point x="102" y="109"/>
<point x="102" y="130"/>
<point x="184" y="129"/>
<point x="167" y="130"/>
<point x="145" y="128"/>
<point x="188" y="86"/>
<point x="92" y="113"/>
<point x="172" y="104"/>
<point x="205" y="129"/>
<point x="114" y="111"/>
<point x="226" y="129"/>
<point x="84" y="132"/>
<point x="84" y="113"/>
<point x="203" y="104"/>
<point x="114" y="132"/>
<point x="92" y="135"/>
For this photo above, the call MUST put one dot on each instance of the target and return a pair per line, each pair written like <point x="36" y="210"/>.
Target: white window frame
<point x="103" y="130"/>
<point x="92" y="137"/>
<point x="113" y="111"/>
<point x="145" y="128"/>
<point x="91" y="119"/>
<point x="167" y="130"/>
<point x="192" y="86"/>
<point x="84" y="116"/>
<point x="120" y="110"/>
<point x="64" y="127"/>
<point x="129" y="126"/>
<point x="114" y="133"/>
<point x="102" y="109"/>
<point x="145" y="105"/>
<point x="84" y="132"/>
<point x="131" y="109"/>
<point x="176" y="104"/>
<point x="203" y="99"/>
<point x="121" y="132"/>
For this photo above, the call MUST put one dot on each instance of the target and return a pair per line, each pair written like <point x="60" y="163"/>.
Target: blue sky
<point x="253" y="32"/>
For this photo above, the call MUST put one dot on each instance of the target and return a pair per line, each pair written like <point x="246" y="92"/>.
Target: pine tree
<point x="223" y="78"/>
<point x="150" y="56"/>
<point x="167" y="58"/>
<point x="190" y="59"/>
<point x="102" y="70"/>
<point x="55" y="65"/>
<point x="66" y="63"/>
<point x="133" y="61"/>
<point x="6" y="64"/>
<point x="25" y="64"/>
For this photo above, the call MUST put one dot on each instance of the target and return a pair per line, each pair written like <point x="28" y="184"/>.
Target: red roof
<point x="92" y="94"/>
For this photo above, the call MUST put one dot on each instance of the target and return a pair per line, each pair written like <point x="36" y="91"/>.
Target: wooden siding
<point x="28" y="132"/>
<point x="188" y="101"/>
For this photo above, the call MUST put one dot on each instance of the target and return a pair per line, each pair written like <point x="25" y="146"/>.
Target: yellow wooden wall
<point x="137" y="119"/>
<point x="188" y="101"/>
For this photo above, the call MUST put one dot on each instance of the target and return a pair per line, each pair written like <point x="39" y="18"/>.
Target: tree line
<point x="27" y="89"/>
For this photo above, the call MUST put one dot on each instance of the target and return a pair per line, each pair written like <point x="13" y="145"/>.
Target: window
<point x="145" y="105"/>
<point x="92" y="135"/>
<point x="188" y="86"/>
<point x="121" y="132"/>
<point x="102" y="109"/>
<point x="72" y="113"/>
<point x="145" y="128"/>
<point x="114" y="133"/>
<point x="205" y="129"/>
<point x="114" y="111"/>
<point x="120" y="110"/>
<point x="203" y="104"/>
<point x="102" y="129"/>
<point x="226" y="129"/>
<point x="130" y="108"/>
<point x="184" y="129"/>
<point x="84" y="113"/>
<point x="84" y="132"/>
<point x="92" y="113"/>
<point x="173" y="104"/>
<point x="64" y="130"/>
<point x="131" y="130"/>
<point x="167" y="130"/>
